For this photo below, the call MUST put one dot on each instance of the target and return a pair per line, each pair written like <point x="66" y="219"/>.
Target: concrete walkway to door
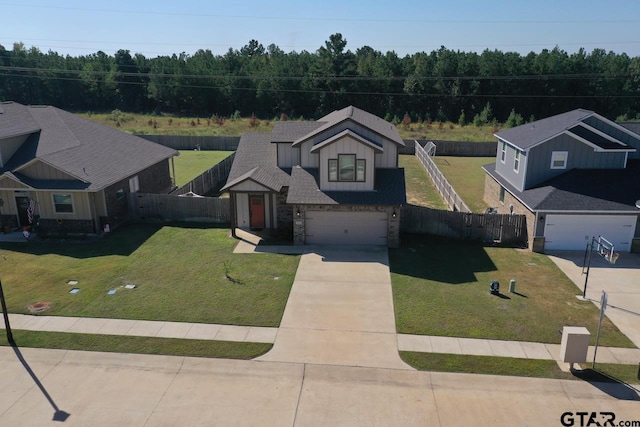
<point x="340" y="310"/>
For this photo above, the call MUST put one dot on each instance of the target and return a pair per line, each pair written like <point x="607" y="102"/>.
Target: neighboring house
<point x="332" y="181"/>
<point x="71" y="175"/>
<point x="575" y="176"/>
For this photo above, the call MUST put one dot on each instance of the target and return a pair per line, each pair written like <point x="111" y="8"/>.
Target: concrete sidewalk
<point x="200" y="331"/>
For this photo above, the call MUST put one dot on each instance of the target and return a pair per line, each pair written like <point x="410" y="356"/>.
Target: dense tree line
<point x="441" y="85"/>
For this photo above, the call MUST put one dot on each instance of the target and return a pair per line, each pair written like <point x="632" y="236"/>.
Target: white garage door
<point x="346" y="228"/>
<point x="573" y="232"/>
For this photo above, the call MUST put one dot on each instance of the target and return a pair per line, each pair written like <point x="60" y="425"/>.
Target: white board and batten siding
<point x="347" y="145"/>
<point x="242" y="210"/>
<point x="574" y="232"/>
<point x="288" y="156"/>
<point x="346" y="228"/>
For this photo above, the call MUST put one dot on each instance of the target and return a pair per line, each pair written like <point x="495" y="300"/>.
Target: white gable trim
<point x="344" y="134"/>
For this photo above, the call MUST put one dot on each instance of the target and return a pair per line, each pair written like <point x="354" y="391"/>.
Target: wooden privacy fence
<point x="442" y="185"/>
<point x="169" y="207"/>
<point x="212" y="179"/>
<point x="506" y="229"/>
<point x="192" y="142"/>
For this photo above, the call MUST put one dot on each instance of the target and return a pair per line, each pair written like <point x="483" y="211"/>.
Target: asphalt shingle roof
<point x="286" y="131"/>
<point x="256" y="158"/>
<point x="390" y="190"/>
<point x="582" y="190"/>
<point x="89" y="152"/>
<point x="362" y="117"/>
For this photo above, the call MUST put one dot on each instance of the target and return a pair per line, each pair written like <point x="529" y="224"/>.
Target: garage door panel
<point x="574" y="232"/>
<point x="355" y="228"/>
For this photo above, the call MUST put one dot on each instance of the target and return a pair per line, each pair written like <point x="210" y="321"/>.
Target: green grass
<point x="489" y="365"/>
<point x="190" y="164"/>
<point x="145" y="124"/>
<point x="467" y="177"/>
<point x="179" y="273"/>
<point x="420" y="188"/>
<point x="441" y="287"/>
<point x="493" y="365"/>
<point x="140" y="345"/>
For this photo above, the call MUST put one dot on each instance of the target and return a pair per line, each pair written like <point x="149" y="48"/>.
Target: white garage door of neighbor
<point x="346" y="228"/>
<point x="573" y="232"/>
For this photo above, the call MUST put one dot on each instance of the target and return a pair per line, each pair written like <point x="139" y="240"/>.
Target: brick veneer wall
<point x="285" y="215"/>
<point x="492" y="198"/>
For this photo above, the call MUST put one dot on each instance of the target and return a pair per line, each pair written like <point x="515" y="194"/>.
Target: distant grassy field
<point x="190" y="164"/>
<point x="145" y="124"/>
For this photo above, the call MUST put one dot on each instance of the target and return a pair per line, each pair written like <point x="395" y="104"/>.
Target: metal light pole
<point x="6" y="316"/>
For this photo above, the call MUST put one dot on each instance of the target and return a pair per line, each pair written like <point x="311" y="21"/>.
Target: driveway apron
<point x="621" y="281"/>
<point x="340" y="310"/>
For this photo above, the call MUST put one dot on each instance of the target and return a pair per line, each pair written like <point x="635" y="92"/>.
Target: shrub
<point x="406" y="120"/>
<point x="514" y="119"/>
<point x="235" y="116"/>
<point x="253" y="121"/>
<point x="284" y="117"/>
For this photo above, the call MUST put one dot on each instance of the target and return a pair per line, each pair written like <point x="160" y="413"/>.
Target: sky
<point x="159" y="27"/>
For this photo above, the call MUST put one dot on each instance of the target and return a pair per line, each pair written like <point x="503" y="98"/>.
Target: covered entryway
<point x="573" y="232"/>
<point x="256" y="211"/>
<point x="346" y="228"/>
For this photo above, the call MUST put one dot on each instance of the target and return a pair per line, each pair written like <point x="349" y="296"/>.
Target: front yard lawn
<point x="467" y="177"/>
<point x="441" y="287"/>
<point x="179" y="272"/>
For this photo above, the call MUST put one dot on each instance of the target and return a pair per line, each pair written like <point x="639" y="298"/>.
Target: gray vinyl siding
<point x="39" y="170"/>
<point x="580" y="156"/>
<point x="506" y="169"/>
<point x="616" y="133"/>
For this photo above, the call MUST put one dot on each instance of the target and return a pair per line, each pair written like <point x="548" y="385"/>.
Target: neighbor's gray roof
<point x="256" y="159"/>
<point x="94" y="154"/>
<point x="530" y="134"/>
<point x="582" y="190"/>
<point x="287" y="131"/>
<point x="366" y="119"/>
<point x="632" y="126"/>
<point x="389" y="191"/>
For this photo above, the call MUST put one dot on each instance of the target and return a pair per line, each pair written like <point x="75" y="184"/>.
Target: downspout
<point x="232" y="209"/>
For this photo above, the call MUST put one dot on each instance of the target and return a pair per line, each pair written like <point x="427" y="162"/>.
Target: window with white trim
<point x="516" y="161"/>
<point x="559" y="159"/>
<point x="134" y="184"/>
<point x="62" y="203"/>
<point x="503" y="152"/>
<point x="502" y="192"/>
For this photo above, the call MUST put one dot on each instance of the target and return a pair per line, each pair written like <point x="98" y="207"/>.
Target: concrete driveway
<point x="340" y="310"/>
<point x="621" y="281"/>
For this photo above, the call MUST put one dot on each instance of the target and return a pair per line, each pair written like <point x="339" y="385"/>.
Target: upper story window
<point x="347" y="168"/>
<point x="516" y="161"/>
<point x="62" y="203"/>
<point x="503" y="152"/>
<point x="559" y="159"/>
<point x="134" y="184"/>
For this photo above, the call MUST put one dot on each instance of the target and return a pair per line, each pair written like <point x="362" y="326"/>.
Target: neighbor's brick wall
<point x="492" y="198"/>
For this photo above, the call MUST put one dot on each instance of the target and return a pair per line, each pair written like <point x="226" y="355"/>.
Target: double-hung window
<point x="516" y="161"/>
<point x="559" y="159"/>
<point x="62" y="203"/>
<point x="503" y="152"/>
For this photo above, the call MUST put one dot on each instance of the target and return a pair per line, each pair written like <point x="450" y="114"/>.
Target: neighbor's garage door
<point x="573" y="232"/>
<point x="346" y="228"/>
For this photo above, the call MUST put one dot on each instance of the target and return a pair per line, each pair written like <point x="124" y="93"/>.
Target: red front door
<point x="256" y="211"/>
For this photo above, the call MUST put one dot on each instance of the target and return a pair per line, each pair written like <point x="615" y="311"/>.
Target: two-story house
<point x="332" y="181"/>
<point x="575" y="176"/>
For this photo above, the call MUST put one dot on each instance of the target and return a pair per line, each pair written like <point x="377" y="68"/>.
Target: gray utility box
<point x="575" y="344"/>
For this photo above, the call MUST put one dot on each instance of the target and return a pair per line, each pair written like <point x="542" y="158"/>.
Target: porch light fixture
<point x="298" y="213"/>
<point x="394" y="214"/>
